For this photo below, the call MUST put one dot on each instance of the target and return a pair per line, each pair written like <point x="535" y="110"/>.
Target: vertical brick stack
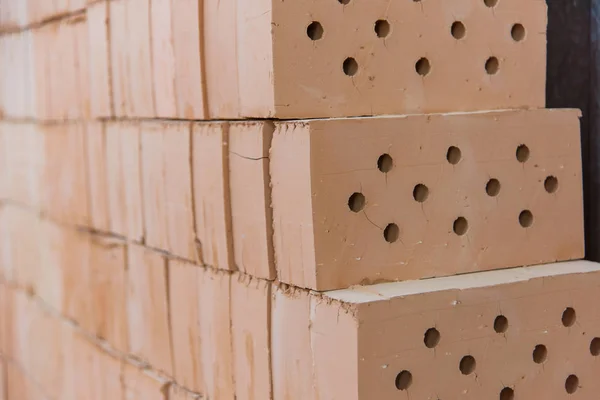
<point x="257" y="199"/>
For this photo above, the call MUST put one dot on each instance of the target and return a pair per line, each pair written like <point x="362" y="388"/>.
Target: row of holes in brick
<point x="391" y="233"/>
<point x="488" y="3"/>
<point x="383" y="28"/>
<point x="468" y="363"/>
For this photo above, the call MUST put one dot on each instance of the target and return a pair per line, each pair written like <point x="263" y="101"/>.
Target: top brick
<point x="300" y="59"/>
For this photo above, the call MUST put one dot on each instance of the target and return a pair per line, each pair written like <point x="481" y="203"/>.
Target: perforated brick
<point x="394" y="198"/>
<point x="520" y="333"/>
<point x="250" y="192"/>
<point x="349" y="57"/>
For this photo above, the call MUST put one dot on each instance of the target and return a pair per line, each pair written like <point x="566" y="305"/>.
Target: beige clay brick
<point x="36" y="342"/>
<point x="3" y="372"/>
<point x="210" y="171"/>
<point x="141" y="384"/>
<point x="185" y="324"/>
<point x="17" y="82"/>
<point x="91" y="373"/>
<point x="395" y="198"/>
<point x="250" y="324"/>
<point x="100" y="86"/>
<point x="148" y="308"/>
<point x="290" y="335"/>
<point x="167" y="187"/>
<point x="131" y="58"/>
<point x="251" y="219"/>
<point x="216" y="353"/>
<point x="125" y="204"/>
<point x="163" y="58"/>
<point x="96" y="156"/>
<point x="190" y="85"/>
<point x="515" y="333"/>
<point x="307" y="59"/>
<point x="200" y="327"/>
<point x="220" y="57"/>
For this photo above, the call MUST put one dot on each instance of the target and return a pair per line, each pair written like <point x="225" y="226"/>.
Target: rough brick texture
<point x="342" y="58"/>
<point x="393" y="198"/>
<point x="528" y="332"/>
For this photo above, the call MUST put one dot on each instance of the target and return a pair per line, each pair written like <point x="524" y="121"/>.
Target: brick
<point x="294" y="68"/>
<point x="252" y="230"/>
<point x="211" y="193"/>
<point x="147" y="308"/>
<point x="119" y="61"/>
<point x="83" y="50"/>
<point x="250" y="325"/>
<point x="163" y="59"/>
<point x="20" y="247"/>
<point x="64" y="180"/>
<point x="339" y="220"/>
<point x="124" y="179"/>
<point x="17" y="82"/>
<point x="96" y="156"/>
<point x="220" y="58"/>
<point x="167" y="187"/>
<point x="108" y="288"/>
<point x="139" y="58"/>
<point x="99" y="51"/>
<point x="184" y="306"/>
<point x="3" y="383"/>
<point x="290" y="343"/>
<point x="214" y="291"/>
<point x="92" y="373"/>
<point x="140" y="384"/>
<point x="428" y="327"/>
<point x="36" y="341"/>
<point x="188" y="49"/>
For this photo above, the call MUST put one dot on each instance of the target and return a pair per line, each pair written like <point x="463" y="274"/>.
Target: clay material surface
<point x="212" y="208"/>
<point x="395" y="198"/>
<point x="517" y="333"/>
<point x="307" y="59"/>
<point x="251" y="217"/>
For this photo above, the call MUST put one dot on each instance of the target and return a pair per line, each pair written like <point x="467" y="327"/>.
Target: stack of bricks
<point x="265" y="199"/>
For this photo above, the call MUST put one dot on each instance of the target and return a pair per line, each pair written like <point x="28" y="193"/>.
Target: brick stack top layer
<point x="231" y="59"/>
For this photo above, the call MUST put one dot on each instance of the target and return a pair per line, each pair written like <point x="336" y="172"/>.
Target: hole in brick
<point x="540" y="353"/>
<point x="420" y="193"/>
<point x="350" y="66"/>
<point x="382" y="28"/>
<point x="453" y="155"/>
<point x="490" y="3"/>
<point x="432" y="338"/>
<point x="422" y="66"/>
<point x="507" y="394"/>
<point x="391" y="233"/>
<point x="356" y="202"/>
<point x="572" y="384"/>
<point x="460" y="226"/>
<point x="315" y="30"/>
<point x="517" y="32"/>
<point x="551" y="184"/>
<point x="467" y="365"/>
<point x="403" y="380"/>
<point x="385" y="163"/>
<point x="522" y="153"/>
<point x="492" y="188"/>
<point x="492" y="65"/>
<point x="526" y="218"/>
<point x="595" y="347"/>
<point x="501" y="324"/>
<point x="458" y="30"/>
<point x="568" y="317"/>
<point x="344" y="1"/>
